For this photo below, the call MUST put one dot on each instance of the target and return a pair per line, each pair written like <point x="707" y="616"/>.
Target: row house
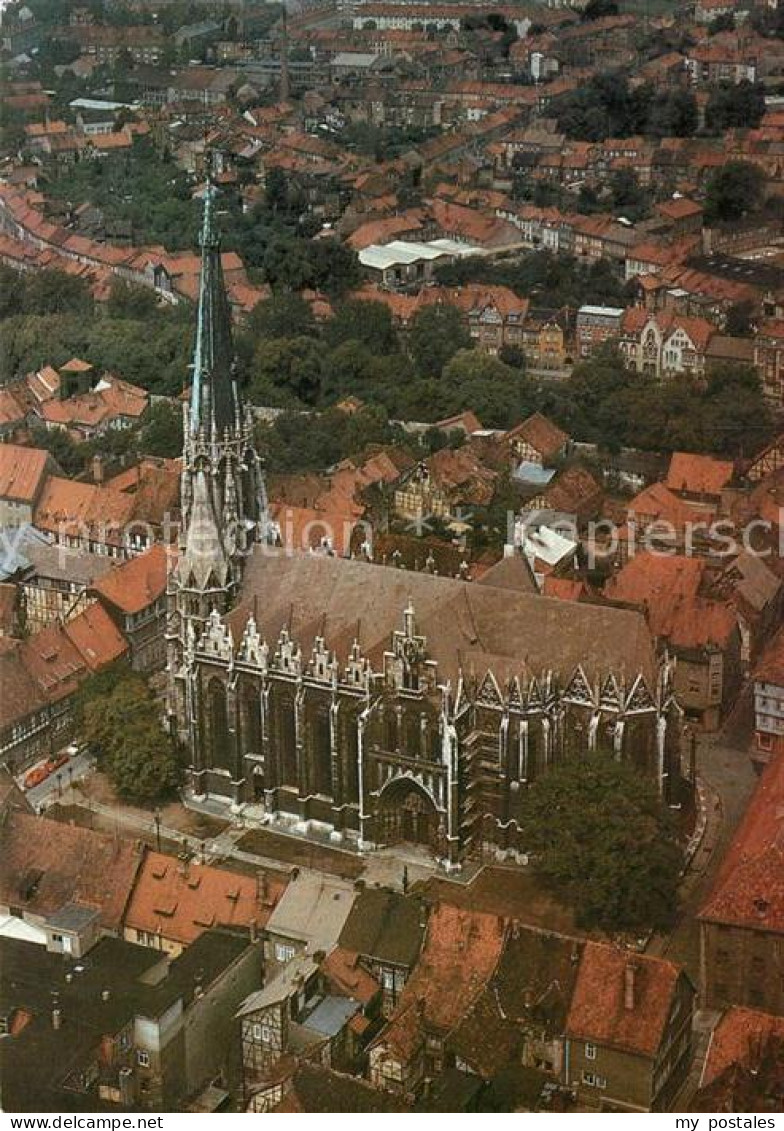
<point x="491" y="1000"/>
<point x="173" y="902"/>
<point x="144" y="43"/>
<point x="716" y="61"/>
<point x="23" y="472"/>
<point x="129" y="1030"/>
<point x="50" y="585"/>
<point x="769" y="703"/>
<point x="769" y="359"/>
<point x="134" y="596"/>
<point x="595" y="325"/>
<point x="600" y="237"/>
<point x="700" y="631"/>
<point x="41" y="676"/>
<point x="742" y="920"/>
<point x="665" y="346"/>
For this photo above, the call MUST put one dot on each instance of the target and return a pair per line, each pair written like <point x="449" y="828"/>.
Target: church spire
<point x="215" y="398"/>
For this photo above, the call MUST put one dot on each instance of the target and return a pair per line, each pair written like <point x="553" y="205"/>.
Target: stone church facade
<point x="370" y="704"/>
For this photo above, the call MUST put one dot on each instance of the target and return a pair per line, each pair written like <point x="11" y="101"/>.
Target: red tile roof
<point x="737" y="1039"/>
<point x="459" y="955"/>
<point x="180" y="902"/>
<point x="21" y="472"/>
<point x="83" y="509"/>
<point x="598" y="1011"/>
<point x="343" y="970"/>
<point x="547" y="438"/>
<point x="770" y="668"/>
<point x="135" y="584"/>
<point x="668" y="587"/>
<point x="749" y="889"/>
<point x="70" y="864"/>
<point x="698" y="475"/>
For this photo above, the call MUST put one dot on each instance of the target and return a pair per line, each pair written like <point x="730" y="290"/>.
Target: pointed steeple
<point x="215" y="398"/>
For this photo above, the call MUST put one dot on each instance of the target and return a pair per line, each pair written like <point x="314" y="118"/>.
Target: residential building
<point x="742" y="920"/>
<point x="742" y="1069"/>
<point x="23" y="472"/>
<point x="48" y="868"/>
<point x="536" y="440"/>
<point x="596" y="324"/>
<point x="127" y="1029"/>
<point x="628" y="1031"/>
<point x="309" y="917"/>
<point x="173" y="902"/>
<point x="134" y="595"/>
<point x="41" y="677"/>
<point x="768" y="676"/>
<point x="385" y="930"/>
<point x="699" y="630"/>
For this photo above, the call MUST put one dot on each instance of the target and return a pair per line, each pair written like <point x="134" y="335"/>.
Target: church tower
<point x="222" y="496"/>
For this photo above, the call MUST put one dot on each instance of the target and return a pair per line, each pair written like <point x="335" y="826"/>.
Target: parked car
<point x="41" y="772"/>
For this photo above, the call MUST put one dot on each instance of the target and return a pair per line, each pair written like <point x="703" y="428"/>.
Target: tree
<point x="602" y="838"/>
<point x="733" y="191"/>
<point x="161" y="434"/>
<point x="360" y="320"/>
<point x="735" y="106"/>
<point x="65" y="451"/>
<point x="53" y="292"/>
<point x="437" y="333"/>
<point x="500" y="396"/>
<point x="738" y="420"/>
<point x="724" y="22"/>
<point x="599" y="9"/>
<point x="131" y="300"/>
<point x="739" y="319"/>
<point x="119" y="717"/>
<point x="282" y="315"/>
<point x="288" y="366"/>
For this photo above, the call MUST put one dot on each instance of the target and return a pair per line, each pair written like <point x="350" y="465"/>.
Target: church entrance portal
<point x="406" y="813"/>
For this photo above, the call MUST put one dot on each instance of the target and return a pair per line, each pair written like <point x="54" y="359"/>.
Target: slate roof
<point x="385" y="926"/>
<point x="468" y="627"/>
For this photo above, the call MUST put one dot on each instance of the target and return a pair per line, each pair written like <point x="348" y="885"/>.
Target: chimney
<point x="262" y="887"/>
<point x="629" y="973"/>
<point x="57" y="1013"/>
<point x="105" y="995"/>
<point x="97" y="468"/>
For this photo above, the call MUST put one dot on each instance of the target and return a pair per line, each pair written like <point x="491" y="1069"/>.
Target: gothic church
<point x="367" y="704"/>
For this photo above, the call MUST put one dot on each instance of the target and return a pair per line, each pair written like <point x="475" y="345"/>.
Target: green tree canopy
<point x="283" y="315"/>
<point x="435" y="336"/>
<point x="601" y="836"/>
<point x="286" y="368"/>
<point x="734" y="190"/>
<point x="365" y="321"/>
<point x="120" y="718"/>
<point x="161" y="433"/>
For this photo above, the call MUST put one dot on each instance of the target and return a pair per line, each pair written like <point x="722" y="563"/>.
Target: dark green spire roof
<point x="215" y="401"/>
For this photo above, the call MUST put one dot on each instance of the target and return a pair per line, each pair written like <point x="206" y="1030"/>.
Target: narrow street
<point x="724" y="766"/>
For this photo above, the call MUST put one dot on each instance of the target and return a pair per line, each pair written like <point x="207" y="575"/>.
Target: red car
<point x="40" y="773"/>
